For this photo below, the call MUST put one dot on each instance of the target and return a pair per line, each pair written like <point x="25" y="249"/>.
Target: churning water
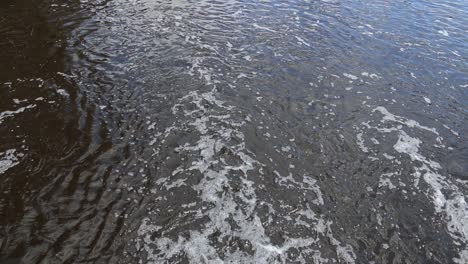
<point x="236" y="131"/>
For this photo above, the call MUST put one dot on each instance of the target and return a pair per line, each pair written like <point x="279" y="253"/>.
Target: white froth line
<point x="398" y="119"/>
<point x="264" y="28"/>
<point x="451" y="130"/>
<point x="302" y="41"/>
<point x="360" y="142"/>
<point x="6" y="114"/>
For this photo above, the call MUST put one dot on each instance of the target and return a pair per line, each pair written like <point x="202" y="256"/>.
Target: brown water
<point x="233" y="131"/>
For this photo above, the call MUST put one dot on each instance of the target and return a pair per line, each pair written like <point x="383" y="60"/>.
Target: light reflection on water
<point x="235" y="131"/>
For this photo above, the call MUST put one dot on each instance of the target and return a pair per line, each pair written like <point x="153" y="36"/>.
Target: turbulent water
<point x="158" y="131"/>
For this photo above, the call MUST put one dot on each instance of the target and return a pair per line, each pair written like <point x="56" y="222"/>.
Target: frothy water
<point x="234" y="132"/>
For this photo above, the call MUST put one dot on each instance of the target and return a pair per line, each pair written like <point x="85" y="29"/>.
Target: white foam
<point x="216" y="139"/>
<point x="9" y="159"/>
<point x="385" y="181"/>
<point x="360" y="142"/>
<point x="444" y="193"/>
<point x="451" y="130"/>
<point x="215" y="131"/>
<point x="394" y="118"/>
<point x="301" y="41"/>
<point x="66" y="75"/>
<point x="443" y="32"/>
<point x="264" y="28"/>
<point x="6" y="114"/>
<point x="350" y="76"/>
<point x="62" y="92"/>
<point x="371" y="75"/>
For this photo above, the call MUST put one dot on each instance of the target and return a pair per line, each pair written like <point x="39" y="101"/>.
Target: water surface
<point x="233" y="131"/>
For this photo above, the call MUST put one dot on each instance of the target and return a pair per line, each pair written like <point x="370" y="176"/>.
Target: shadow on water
<point x="56" y="153"/>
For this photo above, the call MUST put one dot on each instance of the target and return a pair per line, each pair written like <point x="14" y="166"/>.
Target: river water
<point x="158" y="131"/>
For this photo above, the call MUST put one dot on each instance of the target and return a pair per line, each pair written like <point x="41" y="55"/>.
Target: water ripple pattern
<point x="234" y="132"/>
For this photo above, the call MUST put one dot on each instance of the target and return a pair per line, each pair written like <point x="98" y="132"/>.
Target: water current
<point x="236" y="131"/>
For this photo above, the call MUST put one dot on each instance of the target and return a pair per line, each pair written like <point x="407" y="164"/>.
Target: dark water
<point x="209" y="131"/>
